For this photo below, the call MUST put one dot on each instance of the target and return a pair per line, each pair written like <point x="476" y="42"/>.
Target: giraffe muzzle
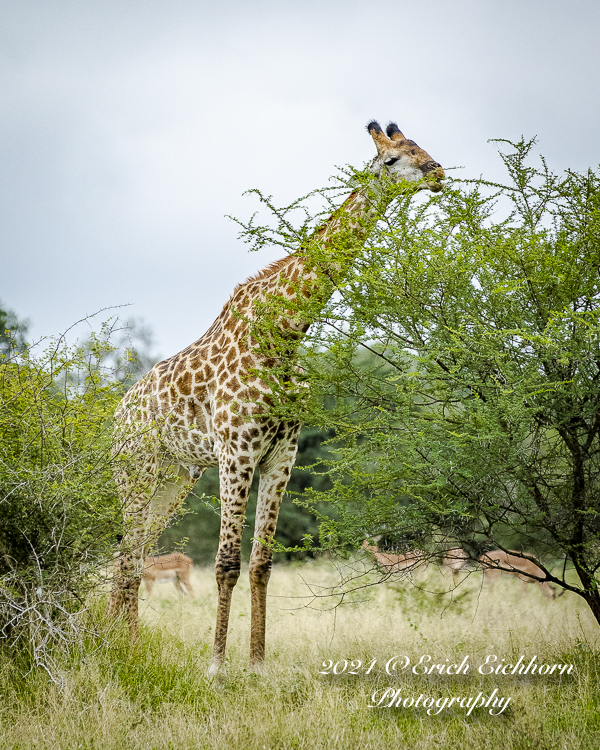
<point x="434" y="174"/>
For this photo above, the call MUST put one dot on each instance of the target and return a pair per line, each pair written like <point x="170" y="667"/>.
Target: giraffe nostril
<point x="429" y="166"/>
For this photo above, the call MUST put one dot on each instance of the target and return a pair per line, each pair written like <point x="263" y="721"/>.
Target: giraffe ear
<point x="394" y="132"/>
<point x="382" y="142"/>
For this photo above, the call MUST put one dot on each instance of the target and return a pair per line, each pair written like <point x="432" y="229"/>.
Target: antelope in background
<point x="498" y="562"/>
<point x="174" y="567"/>
<point x="391" y="562"/>
<point x="455" y="559"/>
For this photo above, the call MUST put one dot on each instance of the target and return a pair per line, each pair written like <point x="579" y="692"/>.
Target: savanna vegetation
<point x="449" y="390"/>
<point x="155" y="695"/>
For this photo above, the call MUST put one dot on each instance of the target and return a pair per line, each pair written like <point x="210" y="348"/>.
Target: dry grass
<point x="156" y="695"/>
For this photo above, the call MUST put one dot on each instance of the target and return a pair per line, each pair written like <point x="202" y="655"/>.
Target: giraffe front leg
<point x="275" y="474"/>
<point x="235" y="481"/>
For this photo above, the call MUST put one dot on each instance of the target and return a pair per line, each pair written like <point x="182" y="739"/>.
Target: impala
<point x="175" y="567"/>
<point x="498" y="562"/>
<point x="391" y="562"/>
<point x="455" y="560"/>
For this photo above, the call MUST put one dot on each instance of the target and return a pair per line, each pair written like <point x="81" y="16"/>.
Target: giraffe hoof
<point x="258" y="668"/>
<point x="215" y="668"/>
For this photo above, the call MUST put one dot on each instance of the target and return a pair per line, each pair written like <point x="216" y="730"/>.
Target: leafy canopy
<point x="458" y="362"/>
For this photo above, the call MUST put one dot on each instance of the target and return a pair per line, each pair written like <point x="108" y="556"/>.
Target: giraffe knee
<point x="131" y="590"/>
<point x="260" y="569"/>
<point x="227" y="569"/>
<point x="227" y="578"/>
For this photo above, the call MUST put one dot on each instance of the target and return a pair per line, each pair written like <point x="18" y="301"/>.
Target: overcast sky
<point x="128" y="128"/>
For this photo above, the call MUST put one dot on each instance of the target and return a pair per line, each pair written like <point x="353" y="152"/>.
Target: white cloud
<point x="130" y="129"/>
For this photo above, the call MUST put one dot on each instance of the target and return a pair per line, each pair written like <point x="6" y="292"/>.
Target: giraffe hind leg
<point x="145" y="519"/>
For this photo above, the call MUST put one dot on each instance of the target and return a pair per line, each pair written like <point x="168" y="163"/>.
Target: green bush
<point x="59" y="513"/>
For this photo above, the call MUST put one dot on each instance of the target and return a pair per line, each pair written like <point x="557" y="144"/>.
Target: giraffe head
<point x="402" y="160"/>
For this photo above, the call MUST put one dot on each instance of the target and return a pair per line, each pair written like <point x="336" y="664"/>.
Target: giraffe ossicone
<point x="209" y="406"/>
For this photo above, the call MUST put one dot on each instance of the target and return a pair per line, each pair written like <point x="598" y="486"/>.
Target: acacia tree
<point x="459" y="364"/>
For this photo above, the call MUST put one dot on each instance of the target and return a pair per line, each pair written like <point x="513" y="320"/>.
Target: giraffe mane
<point x="269" y="270"/>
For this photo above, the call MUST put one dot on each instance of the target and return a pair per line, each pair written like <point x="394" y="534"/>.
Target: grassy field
<point x="156" y="694"/>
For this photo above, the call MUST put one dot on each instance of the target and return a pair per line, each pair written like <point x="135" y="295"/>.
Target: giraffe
<point x="209" y="405"/>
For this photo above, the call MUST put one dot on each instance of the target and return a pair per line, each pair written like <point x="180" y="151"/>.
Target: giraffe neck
<point x="343" y="235"/>
<point x="298" y="287"/>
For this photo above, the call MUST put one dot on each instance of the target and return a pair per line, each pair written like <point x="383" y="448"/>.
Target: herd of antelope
<point x="177" y="567"/>
<point x="495" y="563"/>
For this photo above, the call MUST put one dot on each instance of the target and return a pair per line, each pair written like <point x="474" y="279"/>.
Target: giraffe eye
<point x="389" y="162"/>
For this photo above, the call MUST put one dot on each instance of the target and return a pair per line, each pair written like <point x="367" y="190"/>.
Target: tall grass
<point x="155" y="694"/>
